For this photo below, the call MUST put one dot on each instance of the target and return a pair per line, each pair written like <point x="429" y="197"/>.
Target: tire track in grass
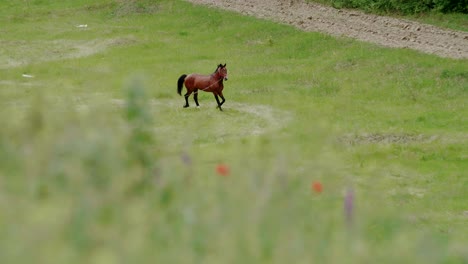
<point x="208" y="125"/>
<point x="18" y="53"/>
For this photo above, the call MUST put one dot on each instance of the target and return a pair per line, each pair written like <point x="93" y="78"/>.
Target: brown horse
<point x="208" y="83"/>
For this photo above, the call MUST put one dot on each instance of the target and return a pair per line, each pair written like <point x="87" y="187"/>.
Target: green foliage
<point x="403" y="6"/>
<point x="141" y="142"/>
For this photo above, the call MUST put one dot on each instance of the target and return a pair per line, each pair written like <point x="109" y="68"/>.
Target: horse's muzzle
<point x="226" y="78"/>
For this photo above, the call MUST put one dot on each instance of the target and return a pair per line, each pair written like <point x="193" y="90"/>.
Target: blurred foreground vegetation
<point x="99" y="162"/>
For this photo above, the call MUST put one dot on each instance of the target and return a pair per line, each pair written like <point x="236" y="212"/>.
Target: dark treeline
<point x="404" y="6"/>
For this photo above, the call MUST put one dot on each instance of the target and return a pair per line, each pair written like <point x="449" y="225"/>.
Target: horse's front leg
<point x="222" y="97"/>
<point x="219" y="104"/>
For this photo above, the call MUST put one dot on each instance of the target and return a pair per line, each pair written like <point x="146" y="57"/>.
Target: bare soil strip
<point x="384" y="31"/>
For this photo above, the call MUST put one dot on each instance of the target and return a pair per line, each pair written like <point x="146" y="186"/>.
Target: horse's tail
<point x="180" y="83"/>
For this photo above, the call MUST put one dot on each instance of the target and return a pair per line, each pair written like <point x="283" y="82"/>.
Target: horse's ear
<point x="224" y="65"/>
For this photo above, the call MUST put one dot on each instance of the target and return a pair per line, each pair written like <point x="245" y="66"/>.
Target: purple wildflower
<point x="349" y="205"/>
<point x="186" y="159"/>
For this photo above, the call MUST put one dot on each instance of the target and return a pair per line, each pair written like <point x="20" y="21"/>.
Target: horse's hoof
<point x="185" y="106"/>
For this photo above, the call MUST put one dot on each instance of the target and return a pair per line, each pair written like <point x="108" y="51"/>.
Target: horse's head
<point x="222" y="71"/>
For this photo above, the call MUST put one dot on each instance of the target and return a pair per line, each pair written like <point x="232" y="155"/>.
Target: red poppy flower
<point x="317" y="187"/>
<point x="222" y="170"/>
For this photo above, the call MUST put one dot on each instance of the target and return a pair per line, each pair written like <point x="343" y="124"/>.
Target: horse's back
<point x="197" y="81"/>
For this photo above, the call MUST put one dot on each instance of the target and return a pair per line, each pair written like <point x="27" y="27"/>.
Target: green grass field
<point x="99" y="162"/>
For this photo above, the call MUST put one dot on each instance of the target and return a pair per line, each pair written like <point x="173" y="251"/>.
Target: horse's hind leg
<point x="195" y="97"/>
<point x="186" y="99"/>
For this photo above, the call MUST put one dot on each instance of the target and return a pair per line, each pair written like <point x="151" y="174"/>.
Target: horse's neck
<point x="217" y="77"/>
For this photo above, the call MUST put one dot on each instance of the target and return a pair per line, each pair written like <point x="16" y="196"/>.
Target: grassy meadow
<point x="99" y="162"/>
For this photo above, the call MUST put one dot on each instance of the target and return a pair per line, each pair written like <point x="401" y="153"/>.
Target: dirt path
<point x="385" y="31"/>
